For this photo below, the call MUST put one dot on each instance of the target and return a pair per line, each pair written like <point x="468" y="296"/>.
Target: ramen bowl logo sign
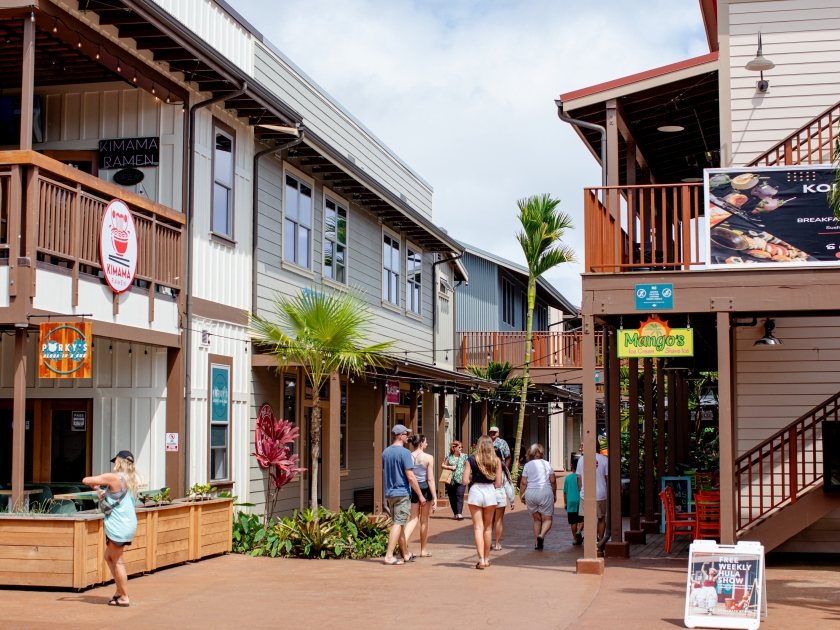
<point x="64" y="351"/>
<point x="118" y="246"/>
<point x="655" y="339"/>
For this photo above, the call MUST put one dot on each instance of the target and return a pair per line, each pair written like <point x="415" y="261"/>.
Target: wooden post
<point x="633" y="395"/>
<point x="465" y="423"/>
<point x="19" y="418"/>
<point x="590" y="563"/>
<point x="442" y="451"/>
<point x="484" y="426"/>
<point x="661" y="469"/>
<point x="727" y="433"/>
<point x="650" y="488"/>
<point x="672" y="433"/>
<point x="76" y="245"/>
<point x="175" y="460"/>
<point x="378" y="430"/>
<point x="616" y="548"/>
<point x="413" y="409"/>
<point x="27" y="88"/>
<point x="331" y="442"/>
<point x="679" y="435"/>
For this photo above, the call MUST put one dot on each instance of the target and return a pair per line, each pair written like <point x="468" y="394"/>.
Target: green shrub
<point x="346" y="534"/>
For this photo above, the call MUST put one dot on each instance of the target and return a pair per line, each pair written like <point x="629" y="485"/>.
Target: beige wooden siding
<point x="802" y="37"/>
<point x="821" y="537"/>
<point x="777" y="384"/>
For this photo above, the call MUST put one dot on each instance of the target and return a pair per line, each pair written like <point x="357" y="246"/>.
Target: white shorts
<point x="540" y="500"/>
<point x="482" y="495"/>
<point x="501" y="498"/>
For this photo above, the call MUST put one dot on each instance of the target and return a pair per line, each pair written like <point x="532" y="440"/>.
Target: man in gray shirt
<point x="398" y="470"/>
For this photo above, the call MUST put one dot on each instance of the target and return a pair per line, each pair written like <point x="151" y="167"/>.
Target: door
<point x="67" y="424"/>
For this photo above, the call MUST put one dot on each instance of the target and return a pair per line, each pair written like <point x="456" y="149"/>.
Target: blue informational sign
<point x="219" y="393"/>
<point x="654" y="297"/>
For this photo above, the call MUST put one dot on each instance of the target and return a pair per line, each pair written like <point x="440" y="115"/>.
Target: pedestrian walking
<point x="398" y="471"/>
<point x="538" y="490"/>
<point x="504" y="496"/>
<point x="601" y="474"/>
<point x="500" y="444"/>
<point x="117" y="491"/>
<point x="455" y="462"/>
<point x="424" y="472"/>
<point x="571" y="497"/>
<point x="483" y="474"/>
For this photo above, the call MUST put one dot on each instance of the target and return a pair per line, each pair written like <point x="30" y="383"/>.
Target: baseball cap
<point x="125" y="455"/>
<point x="492" y="429"/>
<point x="400" y="429"/>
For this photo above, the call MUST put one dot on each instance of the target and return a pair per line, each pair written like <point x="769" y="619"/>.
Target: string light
<point x="99" y="51"/>
<point x="79" y="43"/>
<point x="55" y="26"/>
<point x="135" y="76"/>
<point x="119" y="68"/>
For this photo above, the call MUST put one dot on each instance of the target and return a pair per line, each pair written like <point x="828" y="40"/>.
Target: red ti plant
<point x="271" y="438"/>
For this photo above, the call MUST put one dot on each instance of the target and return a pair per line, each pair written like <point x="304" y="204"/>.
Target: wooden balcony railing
<point x="644" y="228"/>
<point x="64" y="206"/>
<point x="813" y="143"/>
<point x="550" y="349"/>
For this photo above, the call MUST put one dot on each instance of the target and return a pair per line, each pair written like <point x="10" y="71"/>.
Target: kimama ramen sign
<point x="655" y="339"/>
<point x="64" y="351"/>
<point x="118" y="246"/>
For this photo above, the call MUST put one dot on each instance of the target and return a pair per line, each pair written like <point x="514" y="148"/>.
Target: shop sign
<point x="654" y="297"/>
<point x="655" y="339"/>
<point x="726" y="586"/>
<point x="125" y="152"/>
<point x="64" y="350"/>
<point x="681" y="487"/>
<point x="219" y="393"/>
<point x="118" y="246"/>
<point x="393" y="390"/>
<point x="773" y="216"/>
<point x="78" y="421"/>
<point x="128" y="177"/>
<point x="171" y="442"/>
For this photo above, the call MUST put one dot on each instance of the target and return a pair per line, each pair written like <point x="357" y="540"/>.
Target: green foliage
<point x="199" y="490"/>
<point x="307" y="534"/>
<point x="508" y="388"/>
<point x="163" y="496"/>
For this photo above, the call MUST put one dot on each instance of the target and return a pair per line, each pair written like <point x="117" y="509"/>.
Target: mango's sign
<point x="655" y="339"/>
<point x="64" y="351"/>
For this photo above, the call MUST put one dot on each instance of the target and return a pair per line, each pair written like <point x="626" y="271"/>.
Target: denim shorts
<point x="400" y="509"/>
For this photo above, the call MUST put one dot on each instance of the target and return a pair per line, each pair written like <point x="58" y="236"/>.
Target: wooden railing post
<point x="153" y="271"/>
<point x="30" y="249"/>
<point x="75" y="246"/>
<point x="14" y="229"/>
<point x="792" y="474"/>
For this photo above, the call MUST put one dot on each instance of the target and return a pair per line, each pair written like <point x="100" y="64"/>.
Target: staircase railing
<point x="782" y="467"/>
<point x="811" y="144"/>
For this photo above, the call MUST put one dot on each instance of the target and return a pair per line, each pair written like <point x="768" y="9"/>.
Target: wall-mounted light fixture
<point x="760" y="64"/>
<point x="768" y="339"/>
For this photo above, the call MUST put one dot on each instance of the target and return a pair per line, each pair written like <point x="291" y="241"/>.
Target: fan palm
<point x="508" y="387"/>
<point x="543" y="225"/>
<point x="325" y="333"/>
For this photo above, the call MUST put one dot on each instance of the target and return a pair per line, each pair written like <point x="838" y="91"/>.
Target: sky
<point x="463" y="91"/>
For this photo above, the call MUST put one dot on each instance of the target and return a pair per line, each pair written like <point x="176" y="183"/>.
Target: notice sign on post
<point x="171" y="442"/>
<point x="393" y="389"/>
<point x="64" y="351"/>
<point x="654" y="338"/>
<point x="654" y="297"/>
<point x="726" y="585"/>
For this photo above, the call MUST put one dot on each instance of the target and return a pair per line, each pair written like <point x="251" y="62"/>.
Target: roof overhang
<point x="708" y="8"/>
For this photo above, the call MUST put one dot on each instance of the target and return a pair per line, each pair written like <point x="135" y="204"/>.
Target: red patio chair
<point x="708" y="517"/>
<point x="676" y="524"/>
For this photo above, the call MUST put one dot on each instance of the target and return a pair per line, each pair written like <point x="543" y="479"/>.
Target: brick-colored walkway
<point x="523" y="588"/>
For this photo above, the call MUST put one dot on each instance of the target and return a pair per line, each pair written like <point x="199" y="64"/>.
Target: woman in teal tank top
<point x="118" y="490"/>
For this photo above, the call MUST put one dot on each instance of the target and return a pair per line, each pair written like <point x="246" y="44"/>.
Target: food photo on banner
<point x="771" y="216"/>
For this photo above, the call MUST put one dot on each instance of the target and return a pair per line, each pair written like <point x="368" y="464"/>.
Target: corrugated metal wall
<point x="478" y="305"/>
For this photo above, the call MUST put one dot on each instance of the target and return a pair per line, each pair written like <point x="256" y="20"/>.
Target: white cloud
<point x="463" y="91"/>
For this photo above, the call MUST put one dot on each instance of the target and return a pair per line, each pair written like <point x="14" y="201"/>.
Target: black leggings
<point x="456" y="497"/>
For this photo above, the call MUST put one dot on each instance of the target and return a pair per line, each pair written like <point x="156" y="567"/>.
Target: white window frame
<point x="409" y="300"/>
<point x="220" y="127"/>
<point x="340" y="204"/>
<point x="512" y="302"/>
<point x="388" y="270"/>
<point x="295" y="260"/>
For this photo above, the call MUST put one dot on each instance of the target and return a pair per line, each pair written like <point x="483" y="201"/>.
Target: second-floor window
<point x="413" y="295"/>
<point x="335" y="242"/>
<point x="223" y="165"/>
<point x="508" y="302"/>
<point x="297" y="226"/>
<point x="391" y="269"/>
<point x="540" y="317"/>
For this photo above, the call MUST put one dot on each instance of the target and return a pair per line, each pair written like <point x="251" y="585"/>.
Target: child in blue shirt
<point x="571" y="495"/>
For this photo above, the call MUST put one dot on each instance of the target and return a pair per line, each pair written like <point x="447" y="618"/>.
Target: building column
<point x="590" y="563"/>
<point x="413" y="409"/>
<point x="649" y="524"/>
<point x="378" y="447"/>
<point x="331" y="448"/>
<point x="442" y="451"/>
<point x="175" y="460"/>
<point x="635" y="534"/>
<point x="672" y="423"/>
<point x="727" y="431"/>
<point x="661" y="469"/>
<point x="465" y="422"/>
<point x="19" y="418"/>
<point x="484" y="426"/>
<point x="27" y="88"/>
<point x="616" y="548"/>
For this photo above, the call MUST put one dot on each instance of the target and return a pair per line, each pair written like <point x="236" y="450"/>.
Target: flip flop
<point x="478" y="565"/>
<point x="540" y="542"/>
<point x="395" y="562"/>
<point x="115" y="601"/>
<point x="411" y="558"/>
<point x="428" y="554"/>
<point x="497" y="548"/>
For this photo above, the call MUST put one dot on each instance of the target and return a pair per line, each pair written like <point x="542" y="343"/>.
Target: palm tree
<point x="542" y="228"/>
<point x="325" y="333"/>
<point x="507" y="389"/>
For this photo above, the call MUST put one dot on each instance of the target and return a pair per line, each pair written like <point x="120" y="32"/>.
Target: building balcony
<point x="551" y="349"/>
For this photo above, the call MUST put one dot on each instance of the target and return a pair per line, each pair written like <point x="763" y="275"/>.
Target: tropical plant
<point x="326" y="333"/>
<point x="198" y="490"/>
<point x="271" y="440"/>
<point x="542" y="228"/>
<point x="507" y="387"/>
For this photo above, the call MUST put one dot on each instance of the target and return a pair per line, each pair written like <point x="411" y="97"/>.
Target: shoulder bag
<point x="445" y="473"/>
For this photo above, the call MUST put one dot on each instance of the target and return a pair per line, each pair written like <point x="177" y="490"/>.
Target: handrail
<point x="776" y="471"/>
<point x="550" y="348"/>
<point x="817" y="136"/>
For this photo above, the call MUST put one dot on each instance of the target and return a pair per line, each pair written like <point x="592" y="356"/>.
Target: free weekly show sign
<point x="654" y="338"/>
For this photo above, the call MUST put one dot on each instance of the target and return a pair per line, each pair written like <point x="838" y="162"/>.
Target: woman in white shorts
<point x="538" y="490"/>
<point x="483" y="474"/>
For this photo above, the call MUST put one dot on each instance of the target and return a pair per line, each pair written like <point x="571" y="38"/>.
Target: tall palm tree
<point x="508" y="387"/>
<point x="325" y="333"/>
<point x="543" y="225"/>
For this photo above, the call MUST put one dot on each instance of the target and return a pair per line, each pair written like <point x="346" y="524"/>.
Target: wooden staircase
<point x="814" y="143"/>
<point x="778" y="483"/>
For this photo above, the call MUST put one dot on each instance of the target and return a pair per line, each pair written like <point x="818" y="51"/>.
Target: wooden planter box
<point x="68" y="551"/>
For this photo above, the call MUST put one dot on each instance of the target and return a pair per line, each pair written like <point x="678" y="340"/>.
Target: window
<point x="413" y="266"/>
<point x="343" y="428"/>
<point x="524" y="310"/>
<point x="508" y="313"/>
<point x="335" y="242"/>
<point x="541" y="315"/>
<point x="219" y="401"/>
<point x="290" y="403"/>
<point x="298" y="222"/>
<point x="223" y="164"/>
<point x="391" y="269"/>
